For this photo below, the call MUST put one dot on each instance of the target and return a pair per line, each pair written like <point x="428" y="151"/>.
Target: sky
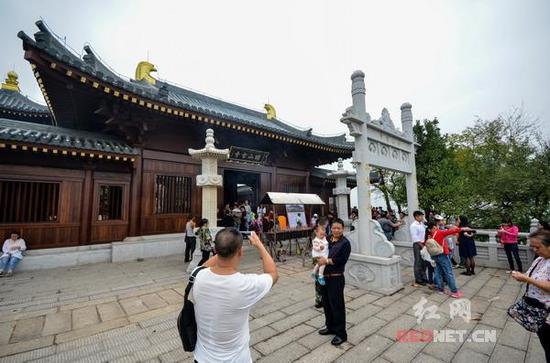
<point x="454" y="60"/>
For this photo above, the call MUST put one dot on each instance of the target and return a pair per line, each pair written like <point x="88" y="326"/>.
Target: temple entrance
<point x="239" y="186"/>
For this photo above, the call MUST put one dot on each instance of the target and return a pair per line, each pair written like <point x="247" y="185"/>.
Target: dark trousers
<point x="419" y="265"/>
<point x="205" y="257"/>
<point x="512" y="249"/>
<point x="334" y="305"/>
<point x="190" y="243"/>
<point x="544" y="336"/>
<point x="430" y="272"/>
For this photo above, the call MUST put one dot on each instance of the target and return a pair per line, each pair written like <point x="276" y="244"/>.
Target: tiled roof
<point x="172" y="95"/>
<point x="33" y="133"/>
<point x="14" y="103"/>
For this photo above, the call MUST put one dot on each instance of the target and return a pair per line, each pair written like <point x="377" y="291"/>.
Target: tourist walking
<point x="205" y="240"/>
<point x="537" y="292"/>
<point x="12" y="254"/>
<point x="224" y="296"/>
<point x="190" y="239"/>
<point x="333" y="291"/>
<point x="508" y="234"/>
<point x="443" y="268"/>
<point x="418" y="234"/>
<point x="466" y="246"/>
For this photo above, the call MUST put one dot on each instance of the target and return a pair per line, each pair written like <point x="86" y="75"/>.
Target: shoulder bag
<point x="187" y="325"/>
<point x="528" y="312"/>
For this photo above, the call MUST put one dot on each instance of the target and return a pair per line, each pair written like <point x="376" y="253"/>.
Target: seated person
<point x="11" y="254"/>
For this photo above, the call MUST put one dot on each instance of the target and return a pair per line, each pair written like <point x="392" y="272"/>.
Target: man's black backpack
<point x="187" y="325"/>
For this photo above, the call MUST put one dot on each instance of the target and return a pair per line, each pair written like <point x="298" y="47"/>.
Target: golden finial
<point x="143" y="72"/>
<point x="271" y="114"/>
<point x="11" y="83"/>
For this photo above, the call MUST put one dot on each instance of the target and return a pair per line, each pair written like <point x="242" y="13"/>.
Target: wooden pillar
<point x="136" y="194"/>
<point x="87" y="205"/>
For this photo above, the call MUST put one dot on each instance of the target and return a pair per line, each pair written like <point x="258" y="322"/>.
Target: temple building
<point x="107" y="158"/>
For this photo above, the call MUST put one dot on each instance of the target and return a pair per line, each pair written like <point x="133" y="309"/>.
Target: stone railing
<point x="490" y="253"/>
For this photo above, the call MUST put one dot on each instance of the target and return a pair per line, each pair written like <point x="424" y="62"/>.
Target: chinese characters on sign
<point x="247" y="155"/>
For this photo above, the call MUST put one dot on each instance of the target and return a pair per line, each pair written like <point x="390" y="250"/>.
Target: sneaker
<point x="2" y="274"/>
<point x="457" y="295"/>
<point x="321" y="280"/>
<point x="466" y="273"/>
<point x="9" y="274"/>
<point x="440" y="292"/>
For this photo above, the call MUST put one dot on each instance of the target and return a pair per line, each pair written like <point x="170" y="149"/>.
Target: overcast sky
<point x="453" y="60"/>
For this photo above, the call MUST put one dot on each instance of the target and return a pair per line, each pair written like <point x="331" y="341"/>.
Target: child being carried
<point x="320" y="249"/>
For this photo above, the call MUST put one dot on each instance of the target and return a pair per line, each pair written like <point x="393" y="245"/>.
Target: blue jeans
<point x="10" y="262"/>
<point x="443" y="270"/>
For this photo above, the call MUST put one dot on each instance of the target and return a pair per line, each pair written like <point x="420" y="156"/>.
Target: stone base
<point x="379" y="274"/>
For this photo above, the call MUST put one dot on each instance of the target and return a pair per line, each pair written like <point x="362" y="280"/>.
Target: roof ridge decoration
<point x="143" y="72"/>
<point x="11" y="83"/>
<point x="271" y="113"/>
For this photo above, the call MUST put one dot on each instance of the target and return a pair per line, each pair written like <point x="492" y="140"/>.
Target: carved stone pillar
<point x="372" y="264"/>
<point x="209" y="181"/>
<point x="341" y="192"/>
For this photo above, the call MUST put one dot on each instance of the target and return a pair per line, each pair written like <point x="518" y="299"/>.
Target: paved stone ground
<point x="126" y="312"/>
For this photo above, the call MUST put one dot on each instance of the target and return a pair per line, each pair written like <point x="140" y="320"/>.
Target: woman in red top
<point x="443" y="269"/>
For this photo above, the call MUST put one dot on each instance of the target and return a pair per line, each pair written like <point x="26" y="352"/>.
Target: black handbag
<point x="187" y="325"/>
<point x="528" y="312"/>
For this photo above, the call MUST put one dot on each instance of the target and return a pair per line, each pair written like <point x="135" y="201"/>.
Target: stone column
<point x="209" y="180"/>
<point x="372" y="264"/>
<point x="342" y="191"/>
<point x="412" y="194"/>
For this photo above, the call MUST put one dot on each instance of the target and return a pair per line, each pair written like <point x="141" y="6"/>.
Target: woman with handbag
<point x="531" y="311"/>
<point x="205" y="239"/>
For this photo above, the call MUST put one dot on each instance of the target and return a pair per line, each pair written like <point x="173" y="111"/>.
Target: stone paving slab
<point x="126" y="312"/>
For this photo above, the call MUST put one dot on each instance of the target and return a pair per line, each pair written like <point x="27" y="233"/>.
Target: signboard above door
<point x="245" y="155"/>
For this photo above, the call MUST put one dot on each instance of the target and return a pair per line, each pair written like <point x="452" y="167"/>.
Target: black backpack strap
<point x="192" y="280"/>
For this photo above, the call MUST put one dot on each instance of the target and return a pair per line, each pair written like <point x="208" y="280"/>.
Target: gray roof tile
<point x="33" y="133"/>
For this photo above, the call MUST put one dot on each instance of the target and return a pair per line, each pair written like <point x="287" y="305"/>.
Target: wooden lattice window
<point x="110" y="202"/>
<point x="172" y="194"/>
<point x="28" y="202"/>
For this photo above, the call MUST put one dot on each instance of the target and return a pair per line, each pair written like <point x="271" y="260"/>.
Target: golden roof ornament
<point x="271" y="114"/>
<point x="143" y="72"/>
<point x="11" y="83"/>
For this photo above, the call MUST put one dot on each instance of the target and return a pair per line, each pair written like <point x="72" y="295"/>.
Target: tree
<point x="437" y="172"/>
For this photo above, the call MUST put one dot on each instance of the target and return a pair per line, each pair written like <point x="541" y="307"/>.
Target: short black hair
<point x="227" y="242"/>
<point x="15" y="232"/>
<point x="339" y="221"/>
<point x="417" y="213"/>
<point x="203" y="222"/>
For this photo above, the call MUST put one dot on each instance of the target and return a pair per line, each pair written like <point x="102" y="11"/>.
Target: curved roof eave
<point x="171" y="95"/>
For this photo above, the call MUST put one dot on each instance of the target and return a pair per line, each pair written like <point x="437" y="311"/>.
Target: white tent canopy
<point x="291" y="198"/>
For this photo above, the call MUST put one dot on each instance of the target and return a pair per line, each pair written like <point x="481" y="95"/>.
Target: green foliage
<point x="495" y="169"/>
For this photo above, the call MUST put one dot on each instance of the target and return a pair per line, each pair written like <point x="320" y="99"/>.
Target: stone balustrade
<point x="490" y="253"/>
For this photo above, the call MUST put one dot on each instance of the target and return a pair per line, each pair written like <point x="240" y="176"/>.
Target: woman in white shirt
<point x="11" y="254"/>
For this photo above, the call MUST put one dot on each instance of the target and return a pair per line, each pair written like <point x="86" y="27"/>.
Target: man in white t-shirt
<point x="223" y="298"/>
<point x="418" y="232"/>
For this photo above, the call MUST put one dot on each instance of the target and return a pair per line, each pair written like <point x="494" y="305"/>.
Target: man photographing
<point x="224" y="296"/>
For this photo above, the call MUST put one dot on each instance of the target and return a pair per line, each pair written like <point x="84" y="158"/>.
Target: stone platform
<point x="125" y="312"/>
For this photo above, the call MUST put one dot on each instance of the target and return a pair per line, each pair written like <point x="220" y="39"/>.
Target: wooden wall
<point x="60" y="233"/>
